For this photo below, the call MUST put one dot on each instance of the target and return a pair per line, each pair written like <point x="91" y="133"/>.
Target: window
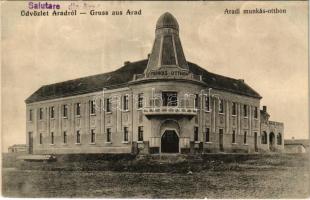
<point x="78" y="137"/>
<point x="65" y="110"/>
<point x="52" y="137"/>
<point x="40" y="138"/>
<point x="245" y="110"/>
<point x="207" y="103"/>
<point x="264" y="138"/>
<point x="52" y="112"/>
<point x="30" y="115"/>
<point x="244" y="137"/>
<point x="125" y="102"/>
<point x="92" y="136"/>
<point x="170" y="98"/>
<point x="65" y="137"/>
<point x="109" y="105"/>
<point x="140" y="133"/>
<point x="255" y="112"/>
<point x="92" y="105"/>
<point x="279" y="139"/>
<point x="221" y="106"/>
<point x="196" y="101"/>
<point x="195" y="133"/>
<point x="233" y="139"/>
<point x="234" y="108"/>
<point x="207" y="135"/>
<point x="78" y="109"/>
<point x="108" y="134"/>
<point x="41" y="113"/>
<point x="125" y="134"/>
<point x="140" y="100"/>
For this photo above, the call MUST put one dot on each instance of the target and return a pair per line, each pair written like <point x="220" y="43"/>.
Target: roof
<point x="167" y="20"/>
<point x="122" y="76"/>
<point x="304" y="142"/>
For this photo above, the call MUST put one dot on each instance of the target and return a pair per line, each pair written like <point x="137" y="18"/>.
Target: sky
<point x="268" y="51"/>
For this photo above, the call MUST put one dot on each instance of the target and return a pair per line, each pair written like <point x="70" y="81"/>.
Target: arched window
<point x="264" y="138"/>
<point x="279" y="139"/>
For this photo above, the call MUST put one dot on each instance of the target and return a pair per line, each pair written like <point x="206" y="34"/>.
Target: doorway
<point x="170" y="142"/>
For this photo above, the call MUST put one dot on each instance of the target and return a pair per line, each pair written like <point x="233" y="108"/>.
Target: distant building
<point x="18" y="148"/>
<point x="296" y="146"/>
<point x="162" y="104"/>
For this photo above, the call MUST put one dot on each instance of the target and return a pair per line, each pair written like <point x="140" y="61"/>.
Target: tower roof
<point x="167" y="20"/>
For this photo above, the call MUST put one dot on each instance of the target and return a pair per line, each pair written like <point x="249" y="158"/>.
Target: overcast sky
<point x="268" y="51"/>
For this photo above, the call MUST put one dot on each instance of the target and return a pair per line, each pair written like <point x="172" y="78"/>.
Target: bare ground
<point x="218" y="176"/>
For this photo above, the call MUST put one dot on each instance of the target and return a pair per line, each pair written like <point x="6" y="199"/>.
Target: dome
<point x="167" y="20"/>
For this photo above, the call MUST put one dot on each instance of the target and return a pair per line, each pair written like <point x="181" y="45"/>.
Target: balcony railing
<point x="166" y="110"/>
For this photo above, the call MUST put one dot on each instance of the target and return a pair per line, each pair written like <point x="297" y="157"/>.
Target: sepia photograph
<point x="174" y="100"/>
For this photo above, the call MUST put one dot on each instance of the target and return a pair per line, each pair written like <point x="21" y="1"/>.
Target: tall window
<point x="245" y="110"/>
<point x="196" y="101"/>
<point x="207" y="103"/>
<point x="140" y="100"/>
<point x="140" y="133"/>
<point x="221" y="106"/>
<point x="65" y="110"/>
<point x="52" y="112"/>
<point x="255" y="112"/>
<point x="78" y="109"/>
<point x="233" y="140"/>
<point x="195" y="133"/>
<point x="65" y="137"/>
<point x="244" y="137"/>
<point x="264" y="138"/>
<point x="207" y="135"/>
<point x="30" y="115"/>
<point x="125" y="134"/>
<point x="40" y="138"/>
<point x="109" y="105"/>
<point x="52" y="137"/>
<point x="170" y="98"/>
<point x="92" y="136"/>
<point x="234" y="109"/>
<point x="279" y="139"/>
<point x="108" y="134"/>
<point x="41" y="113"/>
<point x="92" y="107"/>
<point x="125" y="102"/>
<point x="78" y="137"/>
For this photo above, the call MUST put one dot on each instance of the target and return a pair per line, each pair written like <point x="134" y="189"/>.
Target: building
<point x="162" y="104"/>
<point x="296" y="145"/>
<point x="17" y="148"/>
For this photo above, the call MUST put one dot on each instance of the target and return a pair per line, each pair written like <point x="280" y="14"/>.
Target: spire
<point x="167" y="49"/>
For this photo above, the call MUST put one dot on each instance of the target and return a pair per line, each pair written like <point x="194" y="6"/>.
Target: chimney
<point x="265" y="108"/>
<point x="242" y="80"/>
<point x="148" y="56"/>
<point x="126" y="62"/>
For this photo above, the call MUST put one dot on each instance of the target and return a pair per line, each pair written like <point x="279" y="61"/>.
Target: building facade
<point x="162" y="104"/>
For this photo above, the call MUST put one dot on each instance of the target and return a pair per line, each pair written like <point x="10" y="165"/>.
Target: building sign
<point x="166" y="73"/>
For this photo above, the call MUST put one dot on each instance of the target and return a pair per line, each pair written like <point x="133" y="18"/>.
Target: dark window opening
<point x="207" y="135"/>
<point x="170" y="98"/>
<point x="140" y="133"/>
<point x="125" y="134"/>
<point x="196" y="133"/>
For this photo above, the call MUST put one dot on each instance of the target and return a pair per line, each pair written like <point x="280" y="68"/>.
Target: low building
<point x="17" y="148"/>
<point x="296" y="146"/>
<point x="162" y="104"/>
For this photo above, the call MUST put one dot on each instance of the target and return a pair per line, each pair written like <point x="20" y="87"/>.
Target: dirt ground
<point x="249" y="177"/>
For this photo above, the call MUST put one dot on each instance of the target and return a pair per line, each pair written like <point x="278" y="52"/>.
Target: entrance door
<point x="30" y="138"/>
<point x="255" y="141"/>
<point x="221" y="140"/>
<point x="170" y="142"/>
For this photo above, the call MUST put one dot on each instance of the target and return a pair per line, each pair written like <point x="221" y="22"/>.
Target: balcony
<point x="165" y="110"/>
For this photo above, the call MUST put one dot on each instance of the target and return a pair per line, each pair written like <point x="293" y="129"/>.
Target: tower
<point x="167" y="50"/>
